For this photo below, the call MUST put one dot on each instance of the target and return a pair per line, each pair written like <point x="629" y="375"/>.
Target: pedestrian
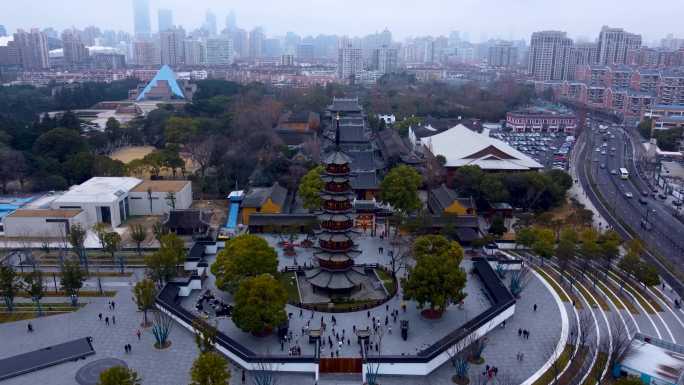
<point x="368" y="314"/>
<point x="130" y="348"/>
<point x="125" y="347"/>
<point x="100" y="316"/>
<point x="114" y="320"/>
<point x="301" y="313"/>
<point x="113" y="305"/>
<point x="535" y="307"/>
<point x="243" y="376"/>
<point x="386" y="320"/>
<point x="389" y="329"/>
<point x="519" y="332"/>
<point x="522" y="356"/>
<point x="107" y="321"/>
<point x="29" y="328"/>
<point x="138" y="334"/>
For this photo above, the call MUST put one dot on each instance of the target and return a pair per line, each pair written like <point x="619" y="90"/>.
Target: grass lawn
<point x="553" y="284"/>
<point x="649" y="304"/>
<point x="610" y="295"/>
<point x="289" y="282"/>
<point x="83" y="293"/>
<point x="578" y="304"/>
<point x="597" y="369"/>
<point x="387" y="280"/>
<point x="575" y="365"/>
<point x="549" y="376"/>
<point x="26" y="311"/>
<point x="623" y="296"/>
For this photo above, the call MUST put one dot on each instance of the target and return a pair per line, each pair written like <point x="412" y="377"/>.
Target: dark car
<point x="662" y="196"/>
<point x="645" y="193"/>
<point x="643" y="201"/>
<point x="677" y="203"/>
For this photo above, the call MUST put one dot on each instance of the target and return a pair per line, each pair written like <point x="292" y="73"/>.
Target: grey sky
<point x="479" y="18"/>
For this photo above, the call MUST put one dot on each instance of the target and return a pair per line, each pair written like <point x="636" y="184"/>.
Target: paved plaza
<point x="172" y="366"/>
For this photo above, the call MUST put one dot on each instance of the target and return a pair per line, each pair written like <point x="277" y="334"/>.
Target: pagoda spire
<point x="337" y="132"/>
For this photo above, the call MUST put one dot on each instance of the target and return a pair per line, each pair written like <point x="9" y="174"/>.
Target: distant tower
<point x="141" y="19"/>
<point x="165" y="19"/>
<point x="336" y="273"/>
<point x="210" y="23"/>
<point x="231" y="21"/>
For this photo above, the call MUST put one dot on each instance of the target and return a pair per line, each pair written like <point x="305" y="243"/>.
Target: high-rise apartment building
<point x="171" y="46"/>
<point x="146" y="53"/>
<point x="349" y="61"/>
<point x="614" y="43"/>
<point x="503" y="55"/>
<point x="305" y="52"/>
<point x="580" y="55"/>
<point x="219" y="51"/>
<point x="141" y="19"/>
<point x="240" y="40"/>
<point x="164" y="19"/>
<point x="385" y="59"/>
<point x="256" y="42"/>
<point x="74" y="50"/>
<point x="32" y="49"/>
<point x="210" y="23"/>
<point x="195" y="52"/>
<point x="549" y="57"/>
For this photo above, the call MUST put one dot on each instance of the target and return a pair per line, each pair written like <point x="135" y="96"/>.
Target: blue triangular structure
<point x="165" y="73"/>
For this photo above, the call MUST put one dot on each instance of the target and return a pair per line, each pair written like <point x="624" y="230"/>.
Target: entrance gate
<point x="340" y="365"/>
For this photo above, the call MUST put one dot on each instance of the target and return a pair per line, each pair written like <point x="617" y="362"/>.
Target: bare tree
<point x="586" y="328"/>
<point x="459" y="355"/>
<point x="265" y="371"/>
<point x="201" y="153"/>
<point x="554" y="355"/>
<point x="519" y="280"/>
<point x="373" y="366"/>
<point x="621" y="340"/>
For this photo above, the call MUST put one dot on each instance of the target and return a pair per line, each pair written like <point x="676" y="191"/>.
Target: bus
<point x="624" y="174"/>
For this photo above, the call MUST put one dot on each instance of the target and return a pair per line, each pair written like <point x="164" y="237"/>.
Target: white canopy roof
<point x="463" y="147"/>
<point x="98" y="190"/>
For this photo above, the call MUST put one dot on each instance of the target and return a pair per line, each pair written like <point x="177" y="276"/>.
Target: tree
<point x="205" y="335"/>
<point x="35" y="288"/>
<point x="259" y="304"/>
<point x="244" y="256"/>
<point x="100" y="230"/>
<point x="497" y="227"/>
<point x="544" y="242"/>
<point x="72" y="280"/>
<point x="437" y="279"/>
<point x="210" y="369"/>
<point x="138" y="235"/>
<point x="589" y="248"/>
<point x="9" y="285"/>
<point x="310" y="188"/>
<point x="163" y="263"/>
<point x="645" y="127"/>
<point x="469" y="180"/>
<point x="112" y="244"/>
<point x="158" y="230"/>
<point x="609" y="248"/>
<point x="493" y="189"/>
<point x="77" y="237"/>
<point x="145" y="293"/>
<point x="565" y="253"/>
<point x="119" y="375"/>
<point x="525" y="237"/>
<point x="400" y="189"/>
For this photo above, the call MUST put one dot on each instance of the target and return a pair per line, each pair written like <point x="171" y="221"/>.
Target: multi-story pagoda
<point x="336" y="273"/>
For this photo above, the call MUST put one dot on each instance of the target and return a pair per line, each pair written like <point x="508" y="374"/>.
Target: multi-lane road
<point x="664" y="233"/>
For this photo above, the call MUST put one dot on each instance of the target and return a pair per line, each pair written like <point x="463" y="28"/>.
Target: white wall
<point x="92" y="210"/>
<point x="39" y="227"/>
<point x="140" y="203"/>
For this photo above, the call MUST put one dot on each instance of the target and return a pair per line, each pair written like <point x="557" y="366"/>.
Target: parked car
<point x="662" y="196"/>
<point x="643" y="201"/>
<point x="629" y="195"/>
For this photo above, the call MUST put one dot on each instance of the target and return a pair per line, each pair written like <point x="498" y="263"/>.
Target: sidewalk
<point x="577" y="192"/>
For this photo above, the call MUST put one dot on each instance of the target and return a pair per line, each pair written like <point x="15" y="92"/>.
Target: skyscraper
<point x="385" y="59"/>
<point x="194" y="52"/>
<point x="165" y="19"/>
<point x="74" y="49"/>
<point x="146" y="53"/>
<point x="231" y="21"/>
<point x="256" y="42"/>
<point x="210" y="23"/>
<point x="219" y="51"/>
<point x="171" y="46"/>
<point x="32" y="49"/>
<point x="240" y="42"/>
<point x="349" y="60"/>
<point x="141" y="19"/>
<point x="503" y="55"/>
<point x="305" y="52"/>
<point x="614" y="43"/>
<point x="3" y="31"/>
<point x="549" y="57"/>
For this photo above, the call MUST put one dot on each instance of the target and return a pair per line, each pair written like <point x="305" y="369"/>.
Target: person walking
<point x="29" y="328"/>
<point x="519" y="332"/>
<point x="535" y="307"/>
<point x="243" y="377"/>
<point x="106" y="321"/>
<point x="99" y="316"/>
<point x="113" y="320"/>
<point x="138" y="334"/>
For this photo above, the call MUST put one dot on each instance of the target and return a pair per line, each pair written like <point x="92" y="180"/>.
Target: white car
<point x="629" y="195"/>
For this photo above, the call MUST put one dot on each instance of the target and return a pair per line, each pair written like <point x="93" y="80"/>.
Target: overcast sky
<point x="480" y="19"/>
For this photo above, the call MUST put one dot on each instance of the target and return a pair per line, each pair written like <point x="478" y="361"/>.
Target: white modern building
<point x="43" y="223"/>
<point x="112" y="200"/>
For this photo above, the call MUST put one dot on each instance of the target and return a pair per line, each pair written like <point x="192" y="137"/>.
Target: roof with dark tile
<point x="256" y="197"/>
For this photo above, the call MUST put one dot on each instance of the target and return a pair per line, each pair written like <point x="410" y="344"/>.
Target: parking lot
<point x="549" y="149"/>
